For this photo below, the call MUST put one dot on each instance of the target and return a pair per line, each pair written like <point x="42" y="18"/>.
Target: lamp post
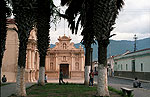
<point x="91" y="50"/>
<point x="135" y="38"/>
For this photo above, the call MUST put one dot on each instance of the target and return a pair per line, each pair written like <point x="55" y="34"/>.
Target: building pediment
<point x="65" y="44"/>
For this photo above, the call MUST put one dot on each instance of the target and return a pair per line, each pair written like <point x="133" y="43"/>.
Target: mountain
<point x="118" y="47"/>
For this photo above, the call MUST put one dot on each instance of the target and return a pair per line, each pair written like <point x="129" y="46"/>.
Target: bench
<point x="126" y="91"/>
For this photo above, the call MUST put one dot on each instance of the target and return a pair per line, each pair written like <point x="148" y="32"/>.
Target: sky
<point x="133" y="19"/>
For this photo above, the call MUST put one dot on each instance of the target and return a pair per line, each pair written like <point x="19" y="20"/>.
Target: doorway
<point x="65" y="70"/>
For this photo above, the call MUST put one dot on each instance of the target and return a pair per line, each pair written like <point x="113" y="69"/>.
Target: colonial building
<point x="133" y="64"/>
<point x="10" y="59"/>
<point x="66" y="57"/>
<point x="63" y="56"/>
<point x="110" y="66"/>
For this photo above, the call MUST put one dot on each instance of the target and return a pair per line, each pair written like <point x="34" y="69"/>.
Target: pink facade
<point x="64" y="55"/>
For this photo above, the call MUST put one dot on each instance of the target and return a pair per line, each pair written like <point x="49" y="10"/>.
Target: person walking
<point x="61" y="77"/>
<point x="91" y="78"/>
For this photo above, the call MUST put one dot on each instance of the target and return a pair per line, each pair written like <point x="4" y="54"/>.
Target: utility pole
<point x="135" y="38"/>
<point x="91" y="51"/>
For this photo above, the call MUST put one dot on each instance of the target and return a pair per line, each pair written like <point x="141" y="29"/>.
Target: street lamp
<point x="91" y="50"/>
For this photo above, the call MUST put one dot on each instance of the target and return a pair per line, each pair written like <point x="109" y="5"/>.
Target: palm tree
<point x="46" y="11"/>
<point x="84" y="10"/>
<point x="88" y="35"/>
<point x="43" y="19"/>
<point x="24" y="12"/>
<point x="104" y="15"/>
<point x="4" y="13"/>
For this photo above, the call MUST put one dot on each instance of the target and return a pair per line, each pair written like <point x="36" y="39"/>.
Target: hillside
<point x="119" y="47"/>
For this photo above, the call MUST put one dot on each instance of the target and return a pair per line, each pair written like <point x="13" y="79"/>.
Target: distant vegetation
<point x="118" y="47"/>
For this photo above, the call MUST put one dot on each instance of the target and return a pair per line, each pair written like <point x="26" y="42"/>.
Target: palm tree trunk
<point x="87" y="64"/>
<point x="0" y="74"/>
<point x="20" y="82"/>
<point x="42" y="71"/>
<point x="20" y="87"/>
<point x="102" y="87"/>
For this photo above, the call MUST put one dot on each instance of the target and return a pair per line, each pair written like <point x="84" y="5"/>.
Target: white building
<point x="110" y="66"/>
<point x="133" y="64"/>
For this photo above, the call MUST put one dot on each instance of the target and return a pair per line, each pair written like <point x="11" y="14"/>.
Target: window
<point x="118" y="66"/>
<point x="51" y="66"/>
<point x="126" y="66"/>
<point x="76" y="57"/>
<point x="77" y="66"/>
<point x="64" y="58"/>
<point x="64" y="46"/>
<point x="51" y="57"/>
<point x="121" y="66"/>
<point x="141" y="66"/>
<point x="133" y="65"/>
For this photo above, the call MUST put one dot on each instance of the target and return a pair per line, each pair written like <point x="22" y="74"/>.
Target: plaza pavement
<point x="138" y="92"/>
<point x="9" y="89"/>
<point x="118" y="82"/>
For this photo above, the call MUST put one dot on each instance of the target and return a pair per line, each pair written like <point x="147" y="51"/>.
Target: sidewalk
<point x="78" y="81"/>
<point x="145" y="81"/>
<point x="138" y="92"/>
<point x="9" y="89"/>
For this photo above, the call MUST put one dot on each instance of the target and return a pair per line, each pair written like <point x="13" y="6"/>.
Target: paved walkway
<point x="138" y="92"/>
<point x="9" y="89"/>
<point x="124" y="82"/>
<point x="79" y="81"/>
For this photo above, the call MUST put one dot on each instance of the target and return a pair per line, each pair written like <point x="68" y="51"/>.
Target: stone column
<point x="33" y="59"/>
<point x="48" y="62"/>
<point x="33" y="67"/>
<point x="29" y="59"/>
<point x="37" y="61"/>
<point x="46" y="66"/>
<point x="56" y="63"/>
<point x="82" y="63"/>
<point x="29" y="65"/>
<point x="72" y="62"/>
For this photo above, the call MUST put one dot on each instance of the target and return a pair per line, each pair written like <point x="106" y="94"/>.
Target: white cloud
<point x="133" y="19"/>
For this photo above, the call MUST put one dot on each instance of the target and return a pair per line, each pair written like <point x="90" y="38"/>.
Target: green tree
<point x="43" y="26"/>
<point x="84" y="10"/>
<point x="101" y="16"/>
<point x="24" y="12"/>
<point x="4" y="13"/>
<point x="104" y="15"/>
<point x="46" y="13"/>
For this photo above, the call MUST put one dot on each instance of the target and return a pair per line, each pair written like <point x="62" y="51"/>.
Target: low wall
<point x="52" y="74"/>
<point x="129" y="74"/>
<point x="77" y="74"/>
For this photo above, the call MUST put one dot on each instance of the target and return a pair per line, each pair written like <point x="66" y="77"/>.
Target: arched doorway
<point x="65" y="70"/>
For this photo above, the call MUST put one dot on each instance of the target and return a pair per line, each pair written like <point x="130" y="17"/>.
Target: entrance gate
<point x="65" y="70"/>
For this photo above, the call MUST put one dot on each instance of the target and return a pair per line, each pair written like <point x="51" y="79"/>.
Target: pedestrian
<point x="91" y="78"/>
<point x="45" y="78"/>
<point x="136" y="83"/>
<point x="61" y="77"/>
<point x="4" y="79"/>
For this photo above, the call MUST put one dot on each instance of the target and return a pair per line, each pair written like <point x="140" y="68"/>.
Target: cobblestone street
<point x="119" y="82"/>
